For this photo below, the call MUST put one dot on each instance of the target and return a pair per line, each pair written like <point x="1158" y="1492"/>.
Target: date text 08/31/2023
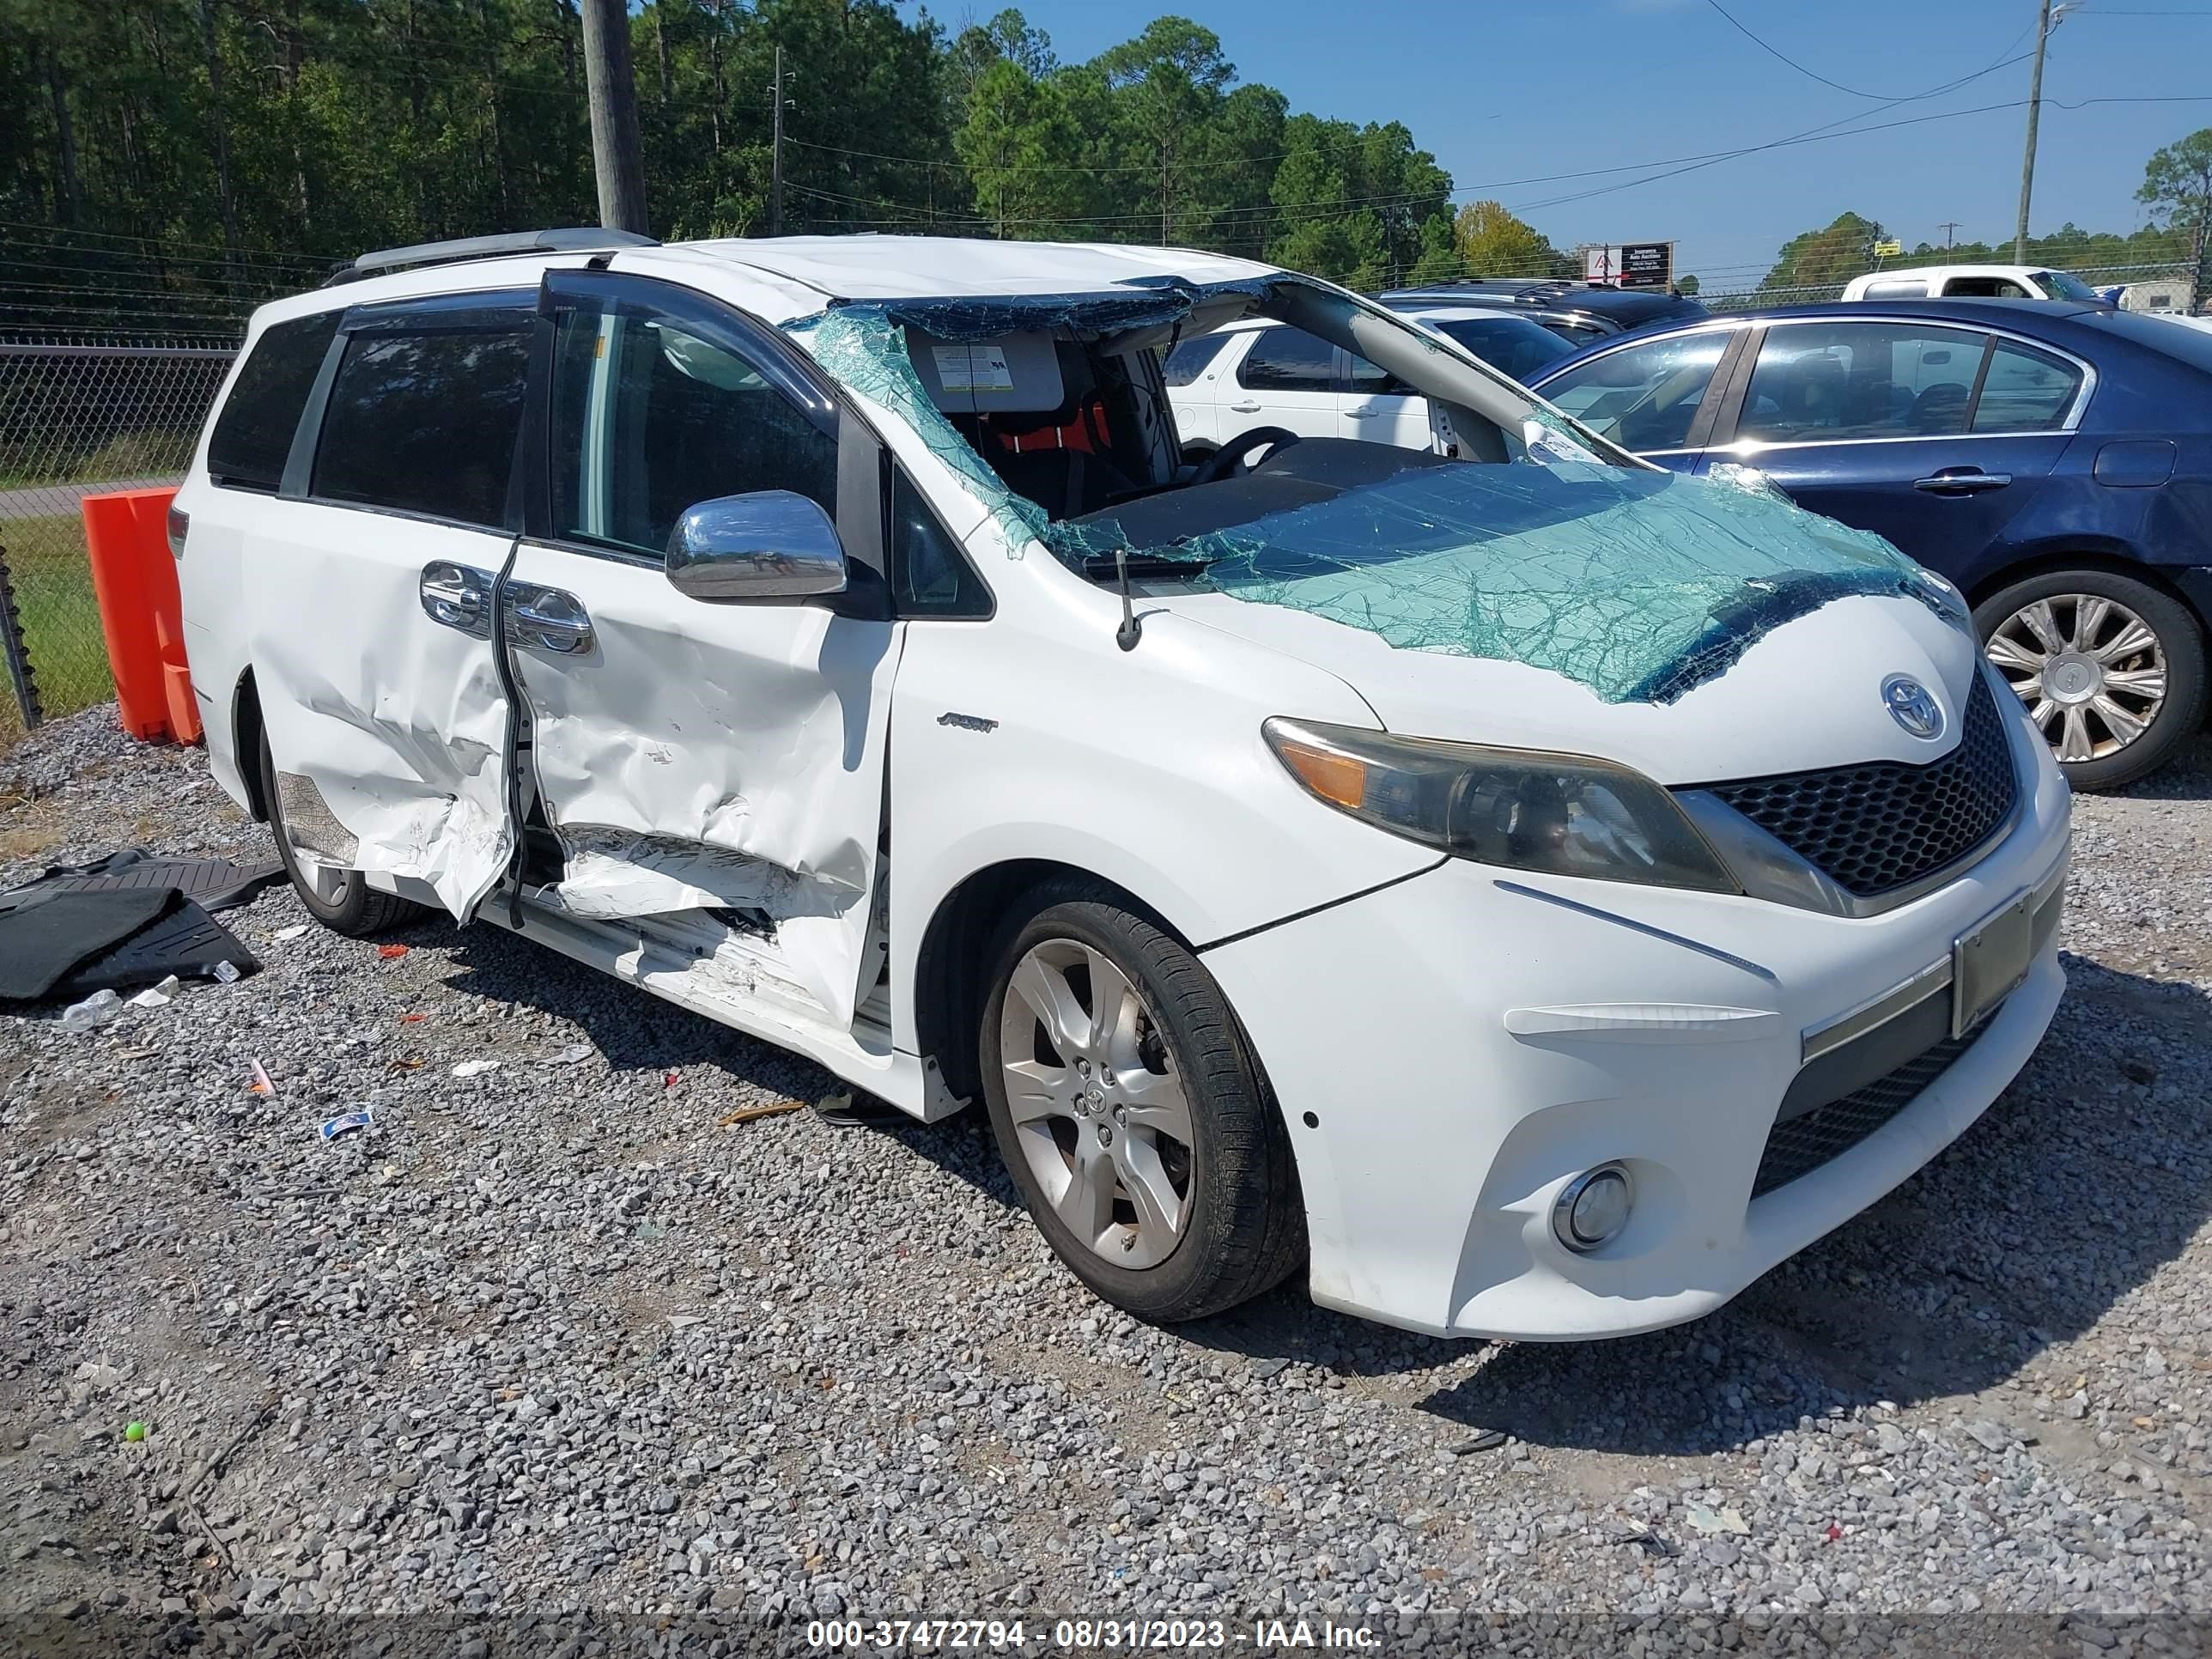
<point x="1014" y="1635"/>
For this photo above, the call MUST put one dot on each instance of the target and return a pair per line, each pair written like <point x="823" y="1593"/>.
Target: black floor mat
<point x="41" y="942"/>
<point x="186" y="940"/>
<point x="217" y="884"/>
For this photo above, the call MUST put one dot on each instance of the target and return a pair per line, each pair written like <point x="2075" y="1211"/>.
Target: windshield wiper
<point x="1142" y="565"/>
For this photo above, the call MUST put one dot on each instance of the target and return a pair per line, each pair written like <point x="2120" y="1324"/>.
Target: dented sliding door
<point x="723" y="755"/>
<point x="368" y="585"/>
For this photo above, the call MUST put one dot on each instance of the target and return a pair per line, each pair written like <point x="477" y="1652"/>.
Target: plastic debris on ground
<point x="260" y="1084"/>
<point x="217" y="884"/>
<point x="390" y="953"/>
<point x="286" y="935"/>
<point x="46" y="937"/>
<point x="475" y="1068"/>
<point x="157" y="996"/>
<point x="1705" y="1519"/>
<point x="134" y="1433"/>
<point x="573" y="1052"/>
<point x="846" y="1109"/>
<point x="347" y="1123"/>
<point x="94" y="1012"/>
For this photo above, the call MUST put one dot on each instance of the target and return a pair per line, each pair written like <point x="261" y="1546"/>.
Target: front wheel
<point x="2111" y="669"/>
<point x="1130" y="1112"/>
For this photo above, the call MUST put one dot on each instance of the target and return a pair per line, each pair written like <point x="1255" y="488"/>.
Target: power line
<point x="1815" y="135"/>
<point x="1775" y="52"/>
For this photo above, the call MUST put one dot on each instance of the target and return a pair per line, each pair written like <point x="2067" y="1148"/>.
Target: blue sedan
<point x="2053" y="460"/>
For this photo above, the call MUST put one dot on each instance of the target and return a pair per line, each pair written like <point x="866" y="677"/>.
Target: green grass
<point x="61" y="619"/>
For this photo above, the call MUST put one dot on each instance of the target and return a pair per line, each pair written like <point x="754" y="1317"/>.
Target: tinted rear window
<point x="1514" y="346"/>
<point x="425" y="424"/>
<point x="1188" y="361"/>
<point x="253" y="434"/>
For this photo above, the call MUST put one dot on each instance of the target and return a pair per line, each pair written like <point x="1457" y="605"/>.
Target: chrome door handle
<point x="453" y="596"/>
<point x="1962" y="483"/>
<point x="1245" y="409"/>
<point x="549" y="619"/>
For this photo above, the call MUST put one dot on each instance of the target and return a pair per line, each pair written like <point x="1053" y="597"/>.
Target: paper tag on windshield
<point x="973" y="368"/>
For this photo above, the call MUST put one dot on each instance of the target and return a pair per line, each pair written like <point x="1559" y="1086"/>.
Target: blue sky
<point x="1506" y="91"/>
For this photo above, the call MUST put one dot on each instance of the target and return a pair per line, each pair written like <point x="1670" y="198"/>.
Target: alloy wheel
<point x="2091" y="671"/>
<point x="1098" y="1108"/>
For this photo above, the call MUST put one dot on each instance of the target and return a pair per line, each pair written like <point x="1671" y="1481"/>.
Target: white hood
<point x="1806" y="694"/>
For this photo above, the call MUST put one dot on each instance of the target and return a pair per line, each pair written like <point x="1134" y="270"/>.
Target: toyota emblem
<point x="1911" y="707"/>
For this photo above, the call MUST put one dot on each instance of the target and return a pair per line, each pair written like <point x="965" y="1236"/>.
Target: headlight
<point x="1565" y="814"/>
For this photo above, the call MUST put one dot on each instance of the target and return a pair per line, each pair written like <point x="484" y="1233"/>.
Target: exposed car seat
<point x="1066" y="482"/>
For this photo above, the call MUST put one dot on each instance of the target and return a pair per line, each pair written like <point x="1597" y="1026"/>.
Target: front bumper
<point x="1449" y="1052"/>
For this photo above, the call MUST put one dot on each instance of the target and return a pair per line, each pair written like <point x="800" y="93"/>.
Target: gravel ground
<point x="558" y="1335"/>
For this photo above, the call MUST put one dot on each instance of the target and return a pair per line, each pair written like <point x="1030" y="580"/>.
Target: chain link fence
<point x="102" y="413"/>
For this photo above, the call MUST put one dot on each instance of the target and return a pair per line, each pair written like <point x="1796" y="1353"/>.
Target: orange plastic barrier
<point x="126" y="532"/>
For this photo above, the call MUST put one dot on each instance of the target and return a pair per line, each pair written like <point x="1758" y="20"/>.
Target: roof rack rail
<point x="570" y="239"/>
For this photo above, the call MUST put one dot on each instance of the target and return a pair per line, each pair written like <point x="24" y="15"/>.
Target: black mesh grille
<point x="1882" y="825"/>
<point x="1804" y="1144"/>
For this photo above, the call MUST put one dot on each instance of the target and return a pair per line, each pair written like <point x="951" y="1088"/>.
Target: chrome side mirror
<point x="767" y="544"/>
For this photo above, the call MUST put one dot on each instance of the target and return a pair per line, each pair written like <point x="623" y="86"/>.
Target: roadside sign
<point x="1631" y="264"/>
<point x="1647" y="264"/>
<point x="1888" y="250"/>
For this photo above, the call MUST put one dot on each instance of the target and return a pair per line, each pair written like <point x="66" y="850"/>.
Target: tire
<point x="2073" y="710"/>
<point x="1239" y="1226"/>
<point x="358" y="911"/>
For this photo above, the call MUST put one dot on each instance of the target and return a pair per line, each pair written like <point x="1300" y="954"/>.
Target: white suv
<point x="1267" y="373"/>
<point x="1534" y="891"/>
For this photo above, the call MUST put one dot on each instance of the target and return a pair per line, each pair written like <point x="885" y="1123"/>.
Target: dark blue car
<point x="2053" y="460"/>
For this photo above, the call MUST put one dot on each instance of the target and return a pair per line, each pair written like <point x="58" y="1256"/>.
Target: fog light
<point x="1592" y="1208"/>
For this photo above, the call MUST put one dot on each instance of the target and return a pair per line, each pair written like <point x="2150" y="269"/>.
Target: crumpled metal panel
<point x="394" y="726"/>
<point x="707" y="756"/>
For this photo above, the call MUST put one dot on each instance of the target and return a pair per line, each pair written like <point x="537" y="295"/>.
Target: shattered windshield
<point x="1639" y="584"/>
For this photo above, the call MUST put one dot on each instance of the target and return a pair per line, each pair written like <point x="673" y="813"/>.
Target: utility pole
<point x="776" y="157"/>
<point x="1948" y="228"/>
<point x="2034" y="111"/>
<point x="611" y="89"/>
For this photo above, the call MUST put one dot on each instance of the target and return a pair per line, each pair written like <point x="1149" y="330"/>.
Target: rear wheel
<point x="2111" y="669"/>
<point x="1129" y="1110"/>
<point x="347" y="905"/>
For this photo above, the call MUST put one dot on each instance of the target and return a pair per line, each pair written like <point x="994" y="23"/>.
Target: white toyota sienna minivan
<point x="1536" y="891"/>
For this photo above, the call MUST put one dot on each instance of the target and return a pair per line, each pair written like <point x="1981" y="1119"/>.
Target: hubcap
<point x="1099" y="1109"/>
<point x="2090" y="671"/>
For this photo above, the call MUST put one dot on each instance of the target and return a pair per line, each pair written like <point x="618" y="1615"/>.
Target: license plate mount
<point x="1989" y="963"/>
